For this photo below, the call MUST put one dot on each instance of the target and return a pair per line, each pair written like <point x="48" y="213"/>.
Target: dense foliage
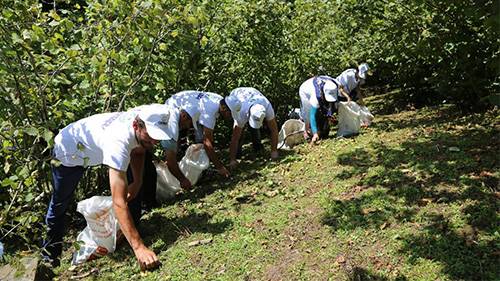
<point x="71" y="59"/>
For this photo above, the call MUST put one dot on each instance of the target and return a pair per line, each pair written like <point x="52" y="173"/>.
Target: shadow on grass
<point x="462" y="255"/>
<point x="362" y="274"/>
<point x="160" y="232"/>
<point x="248" y="170"/>
<point x="430" y="166"/>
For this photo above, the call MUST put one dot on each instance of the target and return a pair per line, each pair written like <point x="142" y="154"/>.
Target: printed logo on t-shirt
<point x="200" y="96"/>
<point x="109" y="121"/>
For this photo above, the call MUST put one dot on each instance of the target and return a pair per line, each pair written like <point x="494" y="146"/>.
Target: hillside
<point x="413" y="197"/>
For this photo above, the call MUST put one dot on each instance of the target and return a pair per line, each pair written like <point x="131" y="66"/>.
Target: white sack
<point x="366" y="117"/>
<point x="291" y="133"/>
<point x="100" y="235"/>
<point x="349" y="119"/>
<point x="194" y="162"/>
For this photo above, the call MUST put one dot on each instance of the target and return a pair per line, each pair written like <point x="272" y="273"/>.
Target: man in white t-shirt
<point x="179" y="120"/>
<point x="203" y="108"/>
<point x="349" y="82"/>
<point x="248" y="105"/>
<point x="116" y="140"/>
<point x="317" y="97"/>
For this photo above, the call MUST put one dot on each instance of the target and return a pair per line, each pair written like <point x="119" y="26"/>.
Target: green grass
<point x="413" y="197"/>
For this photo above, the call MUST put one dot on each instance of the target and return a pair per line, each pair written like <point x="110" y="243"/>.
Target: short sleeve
<point x="209" y="115"/>
<point x="269" y="112"/>
<point x="116" y="155"/>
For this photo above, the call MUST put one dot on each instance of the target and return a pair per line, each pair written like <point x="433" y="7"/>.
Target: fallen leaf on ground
<point x="200" y="242"/>
<point x="425" y="201"/>
<point x="366" y="211"/>
<point x="340" y="259"/>
<point x="271" y="193"/>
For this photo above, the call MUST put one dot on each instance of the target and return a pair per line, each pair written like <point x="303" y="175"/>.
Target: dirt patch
<point x="294" y="249"/>
<point x="279" y="271"/>
<point x="353" y="192"/>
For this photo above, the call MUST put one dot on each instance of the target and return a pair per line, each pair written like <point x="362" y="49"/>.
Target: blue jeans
<point x="64" y="182"/>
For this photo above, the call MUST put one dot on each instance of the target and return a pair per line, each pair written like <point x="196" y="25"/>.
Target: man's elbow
<point x="119" y="203"/>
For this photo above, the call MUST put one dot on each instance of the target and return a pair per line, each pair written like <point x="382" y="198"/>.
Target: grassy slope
<point x="398" y="202"/>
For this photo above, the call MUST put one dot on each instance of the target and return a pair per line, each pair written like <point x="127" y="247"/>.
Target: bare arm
<point x="344" y="93"/>
<point x="173" y="167"/>
<point x="136" y="165"/>
<point x="208" y="140"/>
<point x="118" y="182"/>
<point x="233" y="147"/>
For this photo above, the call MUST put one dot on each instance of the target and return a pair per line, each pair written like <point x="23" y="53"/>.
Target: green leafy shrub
<point x="69" y="60"/>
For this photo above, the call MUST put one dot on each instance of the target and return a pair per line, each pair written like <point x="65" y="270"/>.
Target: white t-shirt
<point x="307" y="90"/>
<point x="348" y="80"/>
<point x="307" y="93"/>
<point x="203" y="107"/>
<point x="106" y="138"/>
<point x="249" y="96"/>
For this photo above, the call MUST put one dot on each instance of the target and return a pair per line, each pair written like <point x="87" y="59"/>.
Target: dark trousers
<point x="147" y="195"/>
<point x="64" y="182"/>
<point x="256" y="140"/>
<point x="322" y="124"/>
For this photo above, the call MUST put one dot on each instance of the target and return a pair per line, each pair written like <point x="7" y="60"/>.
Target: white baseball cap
<point x="330" y="89"/>
<point x="362" y="70"/>
<point x="156" y="118"/>
<point x="257" y="114"/>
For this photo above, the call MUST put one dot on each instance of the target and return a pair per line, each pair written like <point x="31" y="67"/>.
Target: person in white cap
<point x="249" y="105"/>
<point x="349" y="82"/>
<point x="317" y="98"/>
<point x="179" y="120"/>
<point x="116" y="140"/>
<point x="203" y="108"/>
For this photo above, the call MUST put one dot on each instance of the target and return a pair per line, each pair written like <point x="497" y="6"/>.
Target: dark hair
<point x="223" y="102"/>
<point x="185" y="113"/>
<point x="140" y="123"/>
<point x="223" y="105"/>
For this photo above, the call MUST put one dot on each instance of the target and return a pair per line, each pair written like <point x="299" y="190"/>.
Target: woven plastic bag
<point x="194" y="162"/>
<point x="291" y="134"/>
<point x="100" y="236"/>
<point x="349" y="119"/>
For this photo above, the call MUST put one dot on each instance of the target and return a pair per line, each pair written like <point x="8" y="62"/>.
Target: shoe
<point x="48" y="261"/>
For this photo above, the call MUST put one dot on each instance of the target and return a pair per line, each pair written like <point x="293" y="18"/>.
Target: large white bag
<point x="349" y="119"/>
<point x="100" y="235"/>
<point x="194" y="162"/>
<point x="366" y="117"/>
<point x="291" y="133"/>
